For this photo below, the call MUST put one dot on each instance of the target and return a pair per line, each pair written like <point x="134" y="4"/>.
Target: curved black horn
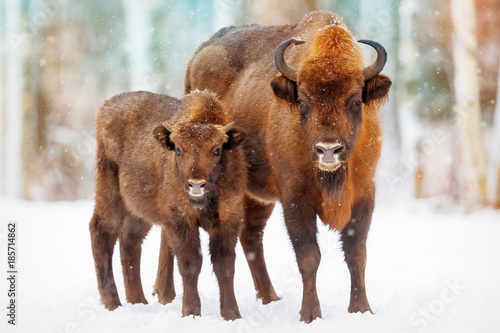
<point x="373" y="70"/>
<point x="279" y="59"/>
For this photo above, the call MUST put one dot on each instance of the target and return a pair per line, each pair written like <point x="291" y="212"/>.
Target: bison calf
<point x="178" y="164"/>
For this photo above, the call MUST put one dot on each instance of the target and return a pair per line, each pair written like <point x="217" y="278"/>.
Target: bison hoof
<point x="165" y="298"/>
<point x="135" y="296"/>
<point x="310" y="314"/>
<point x="138" y="301"/>
<point x="230" y="314"/>
<point x="191" y="310"/>
<point x="353" y="308"/>
<point x="268" y="299"/>
<point x="112" y="305"/>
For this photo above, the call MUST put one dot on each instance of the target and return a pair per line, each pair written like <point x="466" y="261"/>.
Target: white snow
<point x="426" y="272"/>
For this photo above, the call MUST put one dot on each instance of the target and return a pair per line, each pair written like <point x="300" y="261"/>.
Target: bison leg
<point x="354" y="244"/>
<point x="189" y="258"/>
<point x="103" y="242"/>
<point x="256" y="216"/>
<point x="164" y="286"/>
<point x="222" y="245"/>
<point x="300" y="219"/>
<point x="130" y="253"/>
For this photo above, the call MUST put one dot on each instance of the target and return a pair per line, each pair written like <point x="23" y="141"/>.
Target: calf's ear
<point x="376" y="88"/>
<point x="162" y="134"/>
<point x="235" y="136"/>
<point x="285" y="89"/>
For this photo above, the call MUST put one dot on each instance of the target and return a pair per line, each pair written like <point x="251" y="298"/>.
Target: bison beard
<point x="204" y="202"/>
<point x="332" y="182"/>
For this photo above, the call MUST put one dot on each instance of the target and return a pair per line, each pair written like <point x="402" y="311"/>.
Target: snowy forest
<point x="60" y="60"/>
<point x="433" y="239"/>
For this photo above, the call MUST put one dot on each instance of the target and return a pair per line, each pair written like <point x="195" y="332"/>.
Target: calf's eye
<point x="178" y="151"/>
<point x="217" y="152"/>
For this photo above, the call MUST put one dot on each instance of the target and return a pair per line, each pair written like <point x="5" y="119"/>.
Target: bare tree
<point x="495" y="152"/>
<point x="2" y="107"/>
<point x="138" y="25"/>
<point x="14" y="113"/>
<point x="407" y="71"/>
<point x="467" y="107"/>
<point x="406" y="76"/>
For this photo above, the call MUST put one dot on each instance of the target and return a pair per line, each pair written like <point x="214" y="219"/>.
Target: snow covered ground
<point x="427" y="272"/>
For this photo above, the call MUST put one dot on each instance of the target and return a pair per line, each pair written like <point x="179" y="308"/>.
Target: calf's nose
<point x="196" y="186"/>
<point x="329" y="152"/>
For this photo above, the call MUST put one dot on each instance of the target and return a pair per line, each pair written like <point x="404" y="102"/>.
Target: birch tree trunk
<point x="495" y="150"/>
<point x="14" y="112"/>
<point x="407" y="72"/>
<point x="405" y="92"/>
<point x="138" y="27"/>
<point x="2" y="106"/>
<point x="467" y="107"/>
<point x="189" y="23"/>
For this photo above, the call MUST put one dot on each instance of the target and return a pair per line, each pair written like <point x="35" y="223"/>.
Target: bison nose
<point x="196" y="187"/>
<point x="329" y="153"/>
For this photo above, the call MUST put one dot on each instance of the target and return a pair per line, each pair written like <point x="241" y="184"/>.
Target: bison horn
<point x="373" y="70"/>
<point x="279" y="59"/>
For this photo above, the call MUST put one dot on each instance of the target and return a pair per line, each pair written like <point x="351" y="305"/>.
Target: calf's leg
<point x="300" y="219"/>
<point x="164" y="286"/>
<point x="103" y="242"/>
<point x="223" y="240"/>
<point x="256" y="216"/>
<point x="354" y="245"/>
<point x="134" y="231"/>
<point x="186" y="245"/>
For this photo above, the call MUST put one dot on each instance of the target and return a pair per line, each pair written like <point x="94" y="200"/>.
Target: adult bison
<point x="314" y="137"/>
<point x="176" y="163"/>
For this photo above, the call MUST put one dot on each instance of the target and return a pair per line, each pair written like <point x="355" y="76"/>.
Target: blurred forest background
<point x="61" y="59"/>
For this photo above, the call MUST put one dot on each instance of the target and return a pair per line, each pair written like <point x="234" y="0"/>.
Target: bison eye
<point x="217" y="152"/>
<point x="303" y="107"/>
<point x="356" y="106"/>
<point x="178" y="151"/>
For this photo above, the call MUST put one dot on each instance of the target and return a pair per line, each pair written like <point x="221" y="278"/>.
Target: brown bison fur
<point x="314" y="136"/>
<point x="153" y="154"/>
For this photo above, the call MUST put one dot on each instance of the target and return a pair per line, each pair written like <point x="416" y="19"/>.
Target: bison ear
<point x="285" y="89"/>
<point x="235" y="136"/>
<point x="162" y="134"/>
<point x="376" y="88"/>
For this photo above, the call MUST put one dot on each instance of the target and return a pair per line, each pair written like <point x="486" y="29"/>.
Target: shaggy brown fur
<point x="330" y="102"/>
<point x="145" y="172"/>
